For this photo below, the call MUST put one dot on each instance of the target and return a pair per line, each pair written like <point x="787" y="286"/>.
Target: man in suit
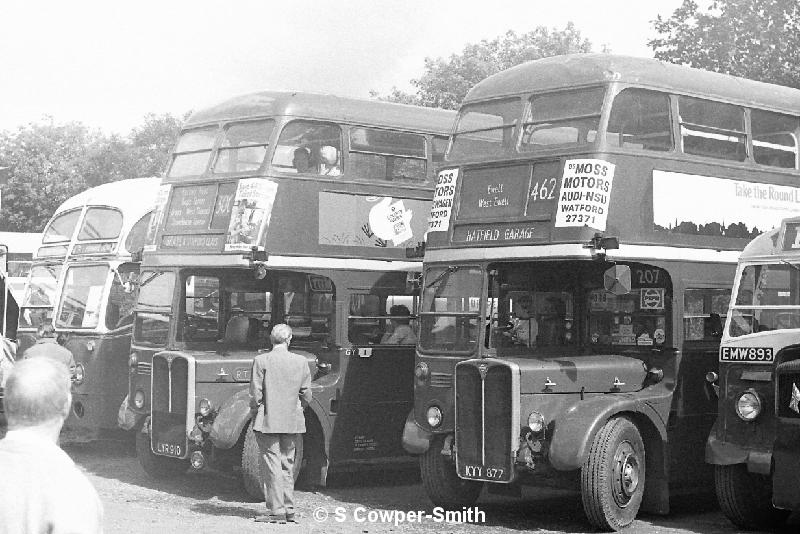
<point x="280" y="388"/>
<point x="41" y="489"/>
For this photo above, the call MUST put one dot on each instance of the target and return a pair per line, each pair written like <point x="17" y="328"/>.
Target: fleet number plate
<point x="169" y="449"/>
<point x="747" y="354"/>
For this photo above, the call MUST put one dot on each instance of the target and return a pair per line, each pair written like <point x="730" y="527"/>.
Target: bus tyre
<point x="251" y="466"/>
<point x="746" y="498"/>
<point x="613" y="475"/>
<point x="442" y="483"/>
<point x="156" y="466"/>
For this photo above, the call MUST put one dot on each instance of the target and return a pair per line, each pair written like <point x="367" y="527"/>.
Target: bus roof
<point x="323" y="106"/>
<point x="774" y="242"/>
<point x="126" y="195"/>
<point x="21" y="242"/>
<point x="587" y="69"/>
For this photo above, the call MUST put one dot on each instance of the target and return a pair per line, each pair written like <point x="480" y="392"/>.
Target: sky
<point x="107" y="63"/>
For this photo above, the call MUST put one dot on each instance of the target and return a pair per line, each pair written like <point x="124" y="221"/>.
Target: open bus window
<point x="768" y="298"/>
<point x="640" y="119"/>
<point x="249" y="320"/>
<point x="308" y="305"/>
<point x="244" y="146"/>
<point x="562" y="119"/>
<point x="192" y="152"/>
<point x="381" y="318"/>
<point x="154" y="306"/>
<point x="201" y="308"/>
<point x="703" y="310"/>
<point x="774" y="138"/>
<point x="449" y="314"/>
<point x="100" y="223"/>
<point x="486" y="129"/>
<point x="307" y="147"/>
<point x="39" y="299"/>
<point x="387" y="155"/>
<point x="712" y="129"/>
<point x="62" y="227"/>
<point x="82" y="296"/>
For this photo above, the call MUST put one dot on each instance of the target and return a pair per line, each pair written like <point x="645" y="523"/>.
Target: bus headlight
<point x="421" y="372"/>
<point x="434" y="416"/>
<point x="138" y="399"/>
<point x="748" y="405"/>
<point x="536" y="422"/>
<point x="205" y="407"/>
<point x="80" y="374"/>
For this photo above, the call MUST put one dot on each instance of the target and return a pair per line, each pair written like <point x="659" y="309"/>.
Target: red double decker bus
<point x="283" y="208"/>
<point x="580" y="254"/>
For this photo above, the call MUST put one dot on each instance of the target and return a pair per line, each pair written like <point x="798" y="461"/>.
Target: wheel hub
<point x="625" y="480"/>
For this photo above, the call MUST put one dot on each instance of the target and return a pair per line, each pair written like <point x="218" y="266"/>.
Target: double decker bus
<point x="80" y="282"/>
<point x="283" y="208"/>
<point x="580" y="253"/>
<point x="755" y="442"/>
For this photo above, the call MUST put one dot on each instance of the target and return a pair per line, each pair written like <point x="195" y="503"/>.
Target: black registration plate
<point x="484" y="472"/>
<point x="747" y="354"/>
<point x="169" y="449"/>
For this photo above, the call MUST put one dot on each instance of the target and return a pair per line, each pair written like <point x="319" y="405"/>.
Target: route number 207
<point x="543" y="189"/>
<point x="647" y="276"/>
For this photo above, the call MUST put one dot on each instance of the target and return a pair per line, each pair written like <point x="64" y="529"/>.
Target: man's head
<point x="400" y="314"/>
<point x="46" y="330"/>
<point x="301" y="159"/>
<point x="281" y="334"/>
<point x="37" y="393"/>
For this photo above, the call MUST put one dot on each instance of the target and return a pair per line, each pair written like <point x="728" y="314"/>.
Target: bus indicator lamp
<point x="138" y="399"/>
<point x="80" y="374"/>
<point x="434" y="416"/>
<point x="133" y="361"/>
<point x="748" y="405"/>
<point x="260" y="271"/>
<point x="90" y="345"/>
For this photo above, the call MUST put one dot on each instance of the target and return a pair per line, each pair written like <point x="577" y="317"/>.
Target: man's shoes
<point x="278" y="519"/>
<point x="290" y="518"/>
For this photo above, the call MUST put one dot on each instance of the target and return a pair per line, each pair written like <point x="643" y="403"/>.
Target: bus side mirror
<point x="4" y="259"/>
<point x="617" y="280"/>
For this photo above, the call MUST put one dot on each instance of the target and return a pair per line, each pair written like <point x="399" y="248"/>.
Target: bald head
<point x="37" y="392"/>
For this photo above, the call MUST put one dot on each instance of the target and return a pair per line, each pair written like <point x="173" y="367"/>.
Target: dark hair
<point x="400" y="313"/>
<point x="46" y="330"/>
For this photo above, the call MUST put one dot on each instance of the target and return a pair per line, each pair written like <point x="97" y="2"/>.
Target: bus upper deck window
<point x="193" y="152"/>
<point x="377" y="154"/>
<point x="306" y="147"/>
<point x="62" y="227"/>
<point x="775" y="139"/>
<point x="101" y="223"/>
<point x="486" y="129"/>
<point x="712" y="129"/>
<point x="640" y="119"/>
<point x="243" y="146"/>
<point x="562" y="119"/>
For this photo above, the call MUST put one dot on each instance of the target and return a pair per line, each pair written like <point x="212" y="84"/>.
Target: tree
<point x="446" y="81"/>
<point x="43" y="164"/>
<point x="756" y="39"/>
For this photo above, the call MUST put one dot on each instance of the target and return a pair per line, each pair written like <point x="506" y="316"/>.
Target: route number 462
<point x="544" y="189"/>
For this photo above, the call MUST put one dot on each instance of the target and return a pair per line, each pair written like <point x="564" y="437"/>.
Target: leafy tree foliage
<point x="446" y="81"/>
<point x="757" y="39"/>
<point x="43" y="164"/>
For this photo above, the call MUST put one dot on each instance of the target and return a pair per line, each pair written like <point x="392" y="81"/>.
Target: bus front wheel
<point x="442" y="483"/>
<point x="613" y="475"/>
<point x="160" y="467"/>
<point x="746" y="498"/>
<point x="251" y="468"/>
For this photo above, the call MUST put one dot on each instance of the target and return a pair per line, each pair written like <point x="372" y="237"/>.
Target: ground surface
<point x="199" y="503"/>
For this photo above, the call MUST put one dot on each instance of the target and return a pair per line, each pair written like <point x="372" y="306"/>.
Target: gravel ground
<point x="209" y="502"/>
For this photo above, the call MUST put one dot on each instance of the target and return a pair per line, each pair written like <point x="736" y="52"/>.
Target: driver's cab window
<point x="535" y="319"/>
<point x="381" y="317"/>
<point x="201" y="307"/>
